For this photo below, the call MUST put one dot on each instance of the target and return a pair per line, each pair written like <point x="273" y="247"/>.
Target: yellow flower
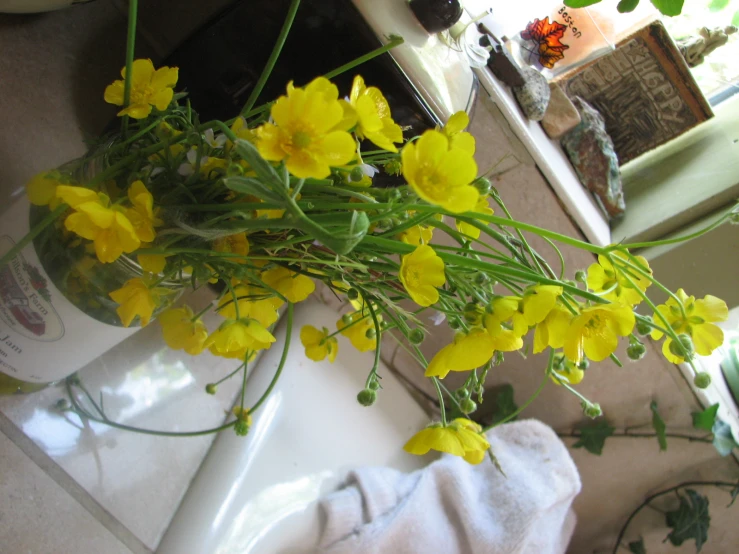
<point x="568" y="371"/>
<point x="135" y="298"/>
<point x="552" y="330"/>
<point x="181" y="332"/>
<point x="234" y="338"/>
<point x="93" y="219"/>
<point x="149" y="87"/>
<point x="454" y="130"/>
<point x="417" y="235"/>
<point x="421" y="272"/>
<point x="41" y="189"/>
<point x="293" y="286"/>
<point x="233" y="244"/>
<point x="318" y="344"/>
<point x="440" y="175"/>
<point x="523" y="311"/>
<point x="374" y="121"/>
<point x="698" y="322"/>
<point x="305" y="132"/>
<point x="142" y="215"/>
<point x="482" y="207"/>
<point x="465" y="353"/>
<point x="243" y="132"/>
<point x="253" y="302"/>
<point x="152" y="263"/>
<point x="461" y="437"/>
<point x="602" y="276"/>
<point x="594" y="333"/>
<point x="356" y="330"/>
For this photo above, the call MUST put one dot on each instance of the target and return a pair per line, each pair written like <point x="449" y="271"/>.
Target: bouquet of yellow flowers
<point x="282" y="196"/>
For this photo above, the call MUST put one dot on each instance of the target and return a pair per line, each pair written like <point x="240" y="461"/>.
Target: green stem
<point x="533" y="397"/>
<point x="394" y="41"/>
<point x="635" y="245"/>
<point x="283" y="359"/>
<point x="435" y="381"/>
<point x="276" y="49"/>
<point x="130" y="44"/>
<point x="32" y="234"/>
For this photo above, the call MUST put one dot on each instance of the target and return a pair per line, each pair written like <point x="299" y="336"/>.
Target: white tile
<point x="37" y="516"/>
<point x="139" y="479"/>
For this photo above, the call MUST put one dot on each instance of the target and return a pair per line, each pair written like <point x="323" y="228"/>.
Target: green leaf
<point x="723" y="439"/>
<point x="593" y="437"/>
<point x="626" y="6"/>
<point x="704" y="420"/>
<point x="691" y="520"/>
<point x="659" y="426"/>
<point x="637" y="547"/>
<point x="505" y="404"/>
<point x="717" y="5"/>
<point x="735" y="19"/>
<point x="669" y="7"/>
<point x="580" y="3"/>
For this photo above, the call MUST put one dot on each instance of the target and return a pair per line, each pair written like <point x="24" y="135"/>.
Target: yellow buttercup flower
<point x="142" y="216"/>
<point x="461" y="437"/>
<point x="454" y="130"/>
<point x="440" y="175"/>
<point x="152" y="263"/>
<point x="41" y="189"/>
<point x="697" y="321"/>
<point x="421" y="272"/>
<point x="374" y="121"/>
<point x="305" y="133"/>
<point x="523" y="311"/>
<point x="465" y="353"/>
<point x="135" y="298"/>
<point x="293" y="286"/>
<point x="356" y="330"/>
<point x="482" y="207"/>
<point x="603" y="277"/>
<point x="181" y="332"/>
<point x="234" y="338"/>
<point x="566" y="371"/>
<point x="94" y="219"/>
<point x="253" y="302"/>
<point x="318" y="344"/>
<point x="552" y="330"/>
<point x="417" y="235"/>
<point x="594" y="333"/>
<point x="149" y="87"/>
<point x="233" y="244"/>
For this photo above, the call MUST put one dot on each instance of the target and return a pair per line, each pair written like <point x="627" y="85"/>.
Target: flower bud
<point x="416" y="336"/>
<point x="366" y="397"/>
<point x="683" y="347"/>
<point x="591" y="409"/>
<point x="393" y="167"/>
<point x="371" y="333"/>
<point x="346" y="318"/>
<point x="558" y="363"/>
<point x="482" y="185"/>
<point x="462" y="393"/>
<point x="356" y="174"/>
<point x="702" y="380"/>
<point x="454" y="323"/>
<point x="467" y="406"/>
<point x="584" y="364"/>
<point x="62" y="405"/>
<point x="581" y="276"/>
<point x="481" y="279"/>
<point x="352" y="294"/>
<point x="211" y="388"/>
<point x="643" y="325"/>
<point x="498" y="358"/>
<point x="394" y="195"/>
<point x="636" y="351"/>
<point x="374" y="385"/>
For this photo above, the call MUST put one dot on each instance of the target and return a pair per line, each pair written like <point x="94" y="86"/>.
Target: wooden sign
<point x="643" y="89"/>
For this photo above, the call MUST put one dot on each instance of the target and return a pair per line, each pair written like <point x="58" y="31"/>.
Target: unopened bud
<point x="416" y="336"/>
<point x="467" y="406"/>
<point x="346" y="318"/>
<point x="683" y="347"/>
<point x="462" y="393"/>
<point x="62" y="405"/>
<point x="352" y="294"/>
<point x="591" y="409"/>
<point x="581" y="276"/>
<point x="211" y="388"/>
<point x="366" y="397"/>
<point x="481" y="279"/>
<point x="644" y="325"/>
<point x="702" y="380"/>
<point x="241" y="428"/>
<point x="636" y="351"/>
<point x="482" y="185"/>
<point x="454" y="324"/>
<point x="393" y="167"/>
<point x="374" y="385"/>
<point x="356" y="174"/>
<point x="584" y="364"/>
<point x="371" y="333"/>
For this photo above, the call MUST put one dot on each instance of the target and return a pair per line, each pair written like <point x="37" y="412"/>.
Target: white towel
<point x="451" y="507"/>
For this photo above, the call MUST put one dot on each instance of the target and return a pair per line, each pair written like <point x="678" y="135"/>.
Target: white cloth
<point x="451" y="507"/>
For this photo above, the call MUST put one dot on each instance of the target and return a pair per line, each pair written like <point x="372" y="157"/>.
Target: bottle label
<point x="43" y="336"/>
